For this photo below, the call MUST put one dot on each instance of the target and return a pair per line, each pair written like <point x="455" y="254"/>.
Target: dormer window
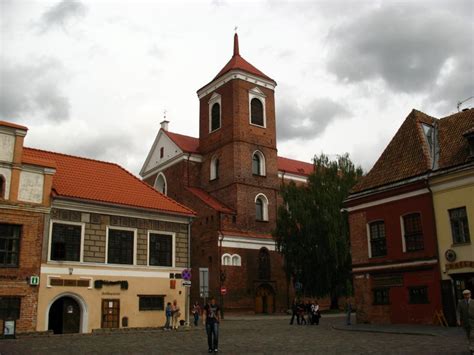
<point x="214" y="112"/>
<point x="257" y="107"/>
<point x="469" y="135"/>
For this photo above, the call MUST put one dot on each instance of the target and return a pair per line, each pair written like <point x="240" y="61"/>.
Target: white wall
<point x="7" y="146"/>
<point x="31" y="187"/>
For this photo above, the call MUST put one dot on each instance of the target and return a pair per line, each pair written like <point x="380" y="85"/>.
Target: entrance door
<point x="265" y="299"/>
<point x="110" y="313"/>
<point x="64" y="316"/>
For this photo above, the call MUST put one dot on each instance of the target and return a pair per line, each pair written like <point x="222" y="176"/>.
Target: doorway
<point x="110" y="313"/>
<point x="64" y="316"/>
<point x="265" y="299"/>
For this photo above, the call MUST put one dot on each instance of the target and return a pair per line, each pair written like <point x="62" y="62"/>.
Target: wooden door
<point x="71" y="316"/>
<point x="110" y="313"/>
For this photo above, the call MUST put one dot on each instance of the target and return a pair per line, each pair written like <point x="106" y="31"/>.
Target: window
<point x="264" y="264"/>
<point x="226" y="259"/>
<point x="261" y="208"/>
<point x="256" y="115"/>
<point x="459" y="225"/>
<point x="162" y="152"/>
<point x="215" y="117"/>
<point x="160" y="183"/>
<point x="9" y="245"/>
<point x="378" y="242"/>
<point x="381" y="296"/>
<point x="413" y="232"/>
<point x="120" y="246"/>
<point x="214" y="168"/>
<point x="204" y="282"/>
<point x="10" y="308"/>
<point x="161" y="250"/>
<point x="2" y="187"/>
<point x="66" y="242"/>
<point x="258" y="163"/>
<point x="151" y="303"/>
<point x="236" y="261"/>
<point x="231" y="260"/>
<point x="418" y="294"/>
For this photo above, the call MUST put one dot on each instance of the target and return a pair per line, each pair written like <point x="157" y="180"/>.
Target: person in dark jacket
<point x="294" y="312"/>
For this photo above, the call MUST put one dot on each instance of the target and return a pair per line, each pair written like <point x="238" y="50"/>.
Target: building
<point x="231" y="176"/>
<point x="25" y="189"/>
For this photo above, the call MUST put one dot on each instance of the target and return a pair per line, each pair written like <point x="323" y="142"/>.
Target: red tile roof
<point x="35" y="161"/>
<point x="210" y="200"/>
<point x="13" y="125"/>
<point x="185" y="143"/>
<point x="98" y="181"/>
<point x="295" y="166"/>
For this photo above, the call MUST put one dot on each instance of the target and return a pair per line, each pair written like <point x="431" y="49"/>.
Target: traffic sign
<point x="186" y="274"/>
<point x="223" y="290"/>
<point x="186" y="283"/>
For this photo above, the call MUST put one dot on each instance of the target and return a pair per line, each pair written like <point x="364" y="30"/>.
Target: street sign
<point x="186" y="274"/>
<point x="186" y="283"/>
<point x="223" y="290"/>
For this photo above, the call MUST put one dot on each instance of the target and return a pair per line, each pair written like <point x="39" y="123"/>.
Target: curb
<point x="384" y="331"/>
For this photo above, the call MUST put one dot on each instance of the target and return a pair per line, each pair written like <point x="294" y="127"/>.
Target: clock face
<point x="450" y="255"/>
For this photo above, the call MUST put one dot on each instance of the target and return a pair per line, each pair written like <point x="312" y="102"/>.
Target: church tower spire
<point x="236" y="45"/>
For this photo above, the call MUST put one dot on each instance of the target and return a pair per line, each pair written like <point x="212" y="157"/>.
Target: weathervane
<point x="164" y="114"/>
<point x="235" y="29"/>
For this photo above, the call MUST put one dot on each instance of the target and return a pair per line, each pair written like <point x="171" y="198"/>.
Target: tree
<point x="312" y="230"/>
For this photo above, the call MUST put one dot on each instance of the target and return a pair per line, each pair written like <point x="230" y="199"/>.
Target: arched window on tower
<point x="258" y="163"/>
<point x="215" y="117"/>
<point x="160" y="183"/>
<point x="214" y="168"/>
<point x="256" y="108"/>
<point x="264" y="264"/>
<point x="261" y="208"/>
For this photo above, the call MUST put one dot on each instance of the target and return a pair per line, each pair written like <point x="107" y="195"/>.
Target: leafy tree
<point x="312" y="230"/>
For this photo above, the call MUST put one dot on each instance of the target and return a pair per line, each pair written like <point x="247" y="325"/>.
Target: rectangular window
<point x="378" y="242"/>
<point x="10" y="308"/>
<point x="418" y="294"/>
<point x="413" y="232"/>
<point x="459" y="225"/>
<point x="151" y="303"/>
<point x="9" y="245"/>
<point x="66" y="242"/>
<point x="381" y="296"/>
<point x="120" y="246"/>
<point x="161" y="250"/>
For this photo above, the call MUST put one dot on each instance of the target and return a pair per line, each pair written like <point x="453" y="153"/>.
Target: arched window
<point x="2" y="187"/>
<point x="236" y="261"/>
<point x="264" y="264"/>
<point x="258" y="163"/>
<point x="226" y="259"/>
<point x="214" y="168"/>
<point x="160" y="183"/>
<point x="215" y="116"/>
<point x="256" y="115"/>
<point x="261" y="208"/>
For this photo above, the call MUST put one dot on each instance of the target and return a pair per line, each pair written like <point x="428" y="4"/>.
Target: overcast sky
<point x="92" y="78"/>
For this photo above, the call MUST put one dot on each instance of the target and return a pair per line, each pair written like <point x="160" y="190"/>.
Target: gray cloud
<point x="33" y="90"/>
<point x="407" y="46"/>
<point x="310" y="121"/>
<point x="61" y="13"/>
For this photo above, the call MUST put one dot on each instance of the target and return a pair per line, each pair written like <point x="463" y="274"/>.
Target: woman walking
<point x="175" y="314"/>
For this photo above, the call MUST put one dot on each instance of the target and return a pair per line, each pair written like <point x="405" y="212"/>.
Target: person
<point x="301" y="309"/>
<point x="211" y="321"/>
<point x="315" y="313"/>
<point x="348" y="309"/>
<point x="465" y="316"/>
<point x="294" y="312"/>
<point x="196" y="313"/>
<point x="175" y="311"/>
<point x="168" y="316"/>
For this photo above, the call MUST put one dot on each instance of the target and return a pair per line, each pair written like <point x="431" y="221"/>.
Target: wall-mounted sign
<point x="34" y="280"/>
<point x="450" y="255"/>
<point x="186" y="283"/>
<point x="9" y="328"/>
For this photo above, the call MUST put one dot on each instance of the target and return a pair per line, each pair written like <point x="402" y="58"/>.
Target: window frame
<point x="140" y="297"/>
<point x="134" y="253"/>
<point x="160" y="174"/>
<point x="50" y="241"/>
<point x="468" y="241"/>
<point x="383" y="300"/>
<point x="18" y="252"/>
<point x="256" y="93"/>
<point x="215" y="99"/>
<point x="404" y="236"/>
<point x="3" y="187"/>
<point x="214" y="168"/>
<point x="265" y="204"/>
<point x="173" y="248"/>
<point x="369" y="238"/>
<point x="410" y="295"/>
<point x="4" y="316"/>
<point x="262" y="165"/>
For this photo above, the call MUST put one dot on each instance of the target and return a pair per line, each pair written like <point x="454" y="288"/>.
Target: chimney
<point x="164" y="125"/>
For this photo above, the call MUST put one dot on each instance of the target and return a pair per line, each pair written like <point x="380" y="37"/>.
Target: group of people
<point x="305" y="312"/>
<point x="172" y="313"/>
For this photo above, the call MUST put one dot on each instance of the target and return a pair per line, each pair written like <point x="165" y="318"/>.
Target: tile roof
<point x="28" y="160"/>
<point x="295" y="166"/>
<point x="408" y="153"/>
<point x="185" y="143"/>
<point x="13" y="125"/>
<point x="210" y="200"/>
<point x="99" y="181"/>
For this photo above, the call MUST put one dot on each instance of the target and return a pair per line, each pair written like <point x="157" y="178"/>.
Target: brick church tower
<point x="230" y="176"/>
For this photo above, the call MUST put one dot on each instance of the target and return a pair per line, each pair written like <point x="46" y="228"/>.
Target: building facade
<point x="231" y="176"/>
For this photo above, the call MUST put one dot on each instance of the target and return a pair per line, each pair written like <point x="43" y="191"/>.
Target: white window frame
<point x="173" y="248"/>
<point x="50" y="241"/>
<point x="264" y="205"/>
<point x="402" y="228"/>
<point x="215" y="98"/>
<point x="135" y="232"/>
<point x="238" y="260"/>
<point x="165" y="192"/>
<point x="263" y="170"/>
<point x="368" y="236"/>
<point x="256" y="93"/>
<point x="228" y="257"/>
<point x="213" y="173"/>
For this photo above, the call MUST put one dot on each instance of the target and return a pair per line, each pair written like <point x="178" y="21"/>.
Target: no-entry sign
<point x="223" y="290"/>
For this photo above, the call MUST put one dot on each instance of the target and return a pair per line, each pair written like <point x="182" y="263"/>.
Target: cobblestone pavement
<point x="264" y="336"/>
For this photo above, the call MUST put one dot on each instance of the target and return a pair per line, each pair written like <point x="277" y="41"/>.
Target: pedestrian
<point x="168" y="316"/>
<point x="211" y="321"/>
<point x="301" y="309"/>
<point x="196" y="313"/>
<point x="465" y="313"/>
<point x="348" y="310"/>
<point x="175" y="314"/>
<point x="316" y="314"/>
<point x="294" y="312"/>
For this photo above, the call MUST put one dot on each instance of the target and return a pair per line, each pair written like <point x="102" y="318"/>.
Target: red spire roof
<point x="239" y="63"/>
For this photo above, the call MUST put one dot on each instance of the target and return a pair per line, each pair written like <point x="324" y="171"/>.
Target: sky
<point x="94" y="78"/>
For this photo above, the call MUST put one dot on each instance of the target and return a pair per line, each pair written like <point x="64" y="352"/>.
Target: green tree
<point x="312" y="230"/>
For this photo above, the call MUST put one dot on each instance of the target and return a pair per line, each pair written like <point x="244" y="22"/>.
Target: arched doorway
<point x="64" y="316"/>
<point x="265" y="299"/>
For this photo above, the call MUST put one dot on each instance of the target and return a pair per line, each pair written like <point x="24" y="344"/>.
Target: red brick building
<point x="25" y="189"/>
<point x="231" y="176"/>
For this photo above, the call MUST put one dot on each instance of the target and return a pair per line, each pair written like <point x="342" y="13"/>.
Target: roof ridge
<point x="72" y="156"/>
